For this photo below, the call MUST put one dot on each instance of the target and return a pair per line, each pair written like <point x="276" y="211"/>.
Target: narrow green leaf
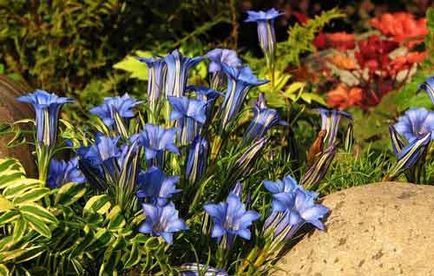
<point x="9" y="216"/>
<point x="38" y="211"/>
<point x="37" y="224"/>
<point x="134" y="256"/>
<point x="20" y="228"/>
<point x="32" y="195"/>
<point x="69" y="193"/>
<point x="99" y="204"/>
<point x="4" y="270"/>
<point x="5" y="204"/>
<point x="116" y="218"/>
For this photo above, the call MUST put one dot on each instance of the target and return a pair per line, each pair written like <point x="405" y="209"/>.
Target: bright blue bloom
<point x="196" y="160"/>
<point x="240" y="80"/>
<point x="330" y="122"/>
<point x="306" y="211"/>
<point x="62" y="172"/>
<point x="115" y="108"/>
<point x="282" y="192"/>
<point x="156" y="140"/>
<point x="218" y="56"/>
<point x="47" y="107"/>
<point x="415" y="123"/>
<point x="155" y="186"/>
<point x="231" y="218"/>
<point x="190" y="115"/>
<point x="266" y="33"/>
<point x="185" y="107"/>
<point x="156" y="77"/>
<point x="195" y="269"/>
<point x="105" y="149"/>
<point x="428" y="86"/>
<point x="207" y="95"/>
<point x="162" y="221"/>
<point x="178" y="67"/>
<point x="264" y="119"/>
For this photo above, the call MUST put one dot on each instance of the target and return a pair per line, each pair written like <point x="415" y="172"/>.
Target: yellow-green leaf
<point x="38" y="211"/>
<point x="5" y="204"/>
<point x="99" y="204"/>
<point x="69" y="193"/>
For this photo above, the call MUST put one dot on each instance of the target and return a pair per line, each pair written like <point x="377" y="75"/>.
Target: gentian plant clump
<point x="168" y="184"/>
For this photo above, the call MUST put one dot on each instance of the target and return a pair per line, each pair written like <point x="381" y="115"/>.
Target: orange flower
<point x="343" y="97"/>
<point x="406" y="61"/>
<point x="343" y="61"/>
<point x="401" y="26"/>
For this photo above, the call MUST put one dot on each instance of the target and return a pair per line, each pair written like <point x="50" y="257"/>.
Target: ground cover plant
<point x="218" y="166"/>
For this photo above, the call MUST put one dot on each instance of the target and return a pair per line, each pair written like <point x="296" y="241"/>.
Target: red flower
<point x="373" y="52"/>
<point x="401" y="26"/>
<point x="341" y="41"/>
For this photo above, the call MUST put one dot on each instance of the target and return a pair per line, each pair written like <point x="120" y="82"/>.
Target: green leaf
<point x="9" y="216"/>
<point x="309" y="97"/>
<point x="20" y="228"/>
<point x="116" y="218"/>
<point x="134" y="256"/>
<point x="99" y="204"/>
<point x="32" y="195"/>
<point x="4" y="270"/>
<point x="37" y="224"/>
<point x="69" y="193"/>
<point x="38" y="211"/>
<point x="294" y="87"/>
<point x="138" y="70"/>
<point x="5" y="204"/>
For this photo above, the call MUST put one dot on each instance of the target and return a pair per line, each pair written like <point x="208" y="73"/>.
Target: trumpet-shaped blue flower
<point x="282" y="191"/>
<point x="62" y="172"/>
<point x="209" y="96"/>
<point x="196" y="160"/>
<point x="188" y="113"/>
<point x="162" y="221"/>
<point x="231" y="218"/>
<point x="47" y="107"/>
<point x="306" y="211"/>
<point x="116" y="108"/>
<point x="415" y="123"/>
<point x="266" y="33"/>
<point x="156" y="187"/>
<point x="156" y="140"/>
<point x="220" y="56"/>
<point x="178" y="67"/>
<point x="264" y="119"/>
<point x="105" y="149"/>
<point x="156" y="78"/>
<point x="330" y="122"/>
<point x="240" y="80"/>
<point x="428" y="86"/>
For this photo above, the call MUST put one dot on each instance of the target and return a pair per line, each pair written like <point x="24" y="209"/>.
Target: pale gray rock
<point x="375" y="229"/>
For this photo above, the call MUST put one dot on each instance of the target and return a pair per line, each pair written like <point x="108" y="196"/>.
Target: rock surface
<point x="376" y="229"/>
<point x="11" y="110"/>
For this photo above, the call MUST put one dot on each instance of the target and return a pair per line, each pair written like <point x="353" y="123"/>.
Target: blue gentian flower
<point x="47" y="107"/>
<point x="266" y="34"/>
<point x="220" y="56"/>
<point x="231" y="218"/>
<point x="155" y="186"/>
<point x="306" y="211"/>
<point x="240" y="80"/>
<point x="115" y="110"/>
<point x="162" y="221"/>
<point x="195" y="269"/>
<point x="281" y="191"/>
<point x="264" y="119"/>
<point x="189" y="114"/>
<point x="415" y="123"/>
<point x="209" y="96"/>
<point x="156" y="78"/>
<point x="196" y="160"/>
<point x="428" y="86"/>
<point x="156" y="139"/>
<point x="104" y="149"/>
<point x="178" y="67"/>
<point x="330" y="122"/>
<point x="62" y="172"/>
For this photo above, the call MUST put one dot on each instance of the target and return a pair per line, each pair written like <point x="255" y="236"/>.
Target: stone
<point x="376" y="229"/>
<point x="11" y="110"/>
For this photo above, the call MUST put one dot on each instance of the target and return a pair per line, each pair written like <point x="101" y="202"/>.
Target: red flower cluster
<point x="341" y="41"/>
<point x="401" y="26"/>
<point x="376" y="71"/>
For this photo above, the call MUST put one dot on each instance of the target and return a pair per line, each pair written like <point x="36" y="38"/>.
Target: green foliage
<point x="300" y="39"/>
<point x="53" y="44"/>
